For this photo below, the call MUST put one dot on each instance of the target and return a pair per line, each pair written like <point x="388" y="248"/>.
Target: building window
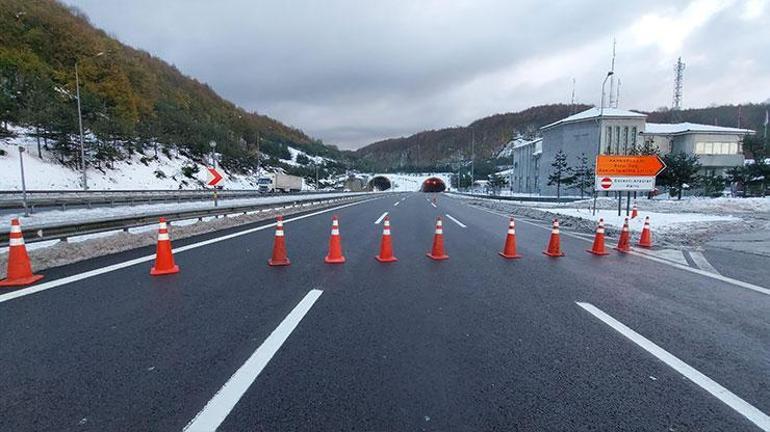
<point x="608" y="149"/>
<point x="625" y="139"/>
<point x="617" y="139"/>
<point x="718" y="148"/>
<point x="633" y="136"/>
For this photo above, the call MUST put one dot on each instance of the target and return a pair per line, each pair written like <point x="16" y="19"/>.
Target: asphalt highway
<point x="473" y="343"/>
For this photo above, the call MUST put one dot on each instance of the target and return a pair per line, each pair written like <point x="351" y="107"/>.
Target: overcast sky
<point x="353" y="72"/>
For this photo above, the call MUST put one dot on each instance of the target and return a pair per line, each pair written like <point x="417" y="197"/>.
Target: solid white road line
<point x="462" y="225"/>
<point x="379" y="219"/>
<point x="702" y="262"/>
<point x="716" y="276"/>
<point x="85" y="275"/>
<point x="726" y="396"/>
<point x="217" y="409"/>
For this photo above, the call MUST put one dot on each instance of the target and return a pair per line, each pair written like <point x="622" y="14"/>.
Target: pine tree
<point x="681" y="169"/>
<point x="560" y="172"/>
<point x="582" y="176"/>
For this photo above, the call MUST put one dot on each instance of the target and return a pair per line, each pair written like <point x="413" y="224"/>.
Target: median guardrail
<point x="12" y="199"/>
<point x="63" y="231"/>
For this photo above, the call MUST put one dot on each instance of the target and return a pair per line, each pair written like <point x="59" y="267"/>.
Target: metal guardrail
<point x="520" y="198"/>
<point x="63" y="231"/>
<point x="54" y="198"/>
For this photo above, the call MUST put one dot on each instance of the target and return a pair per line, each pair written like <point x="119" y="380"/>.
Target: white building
<point x="619" y="132"/>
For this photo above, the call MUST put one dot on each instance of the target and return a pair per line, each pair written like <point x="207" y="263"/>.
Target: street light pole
<point x="84" y="179"/>
<point x="80" y="124"/>
<point x="601" y="131"/>
<point x="23" y="183"/>
<point x="473" y="155"/>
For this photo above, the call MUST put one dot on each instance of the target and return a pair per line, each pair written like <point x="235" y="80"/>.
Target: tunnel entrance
<point x="433" y="184"/>
<point x="380" y="183"/>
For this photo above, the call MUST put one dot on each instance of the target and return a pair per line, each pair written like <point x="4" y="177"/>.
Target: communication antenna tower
<point x="678" y="84"/>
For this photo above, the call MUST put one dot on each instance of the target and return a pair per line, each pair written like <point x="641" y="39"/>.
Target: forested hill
<point x="130" y="99"/>
<point x="747" y="116"/>
<point x="447" y="146"/>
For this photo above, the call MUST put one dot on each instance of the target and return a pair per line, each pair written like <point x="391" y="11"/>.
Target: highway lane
<point x="473" y="343"/>
<point x="124" y="351"/>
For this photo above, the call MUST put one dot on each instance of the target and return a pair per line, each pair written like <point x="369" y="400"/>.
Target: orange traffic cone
<point x="634" y="212"/>
<point x="646" y="238"/>
<point x="509" y="250"/>
<point x="437" y="253"/>
<point x="598" y="247"/>
<point x="19" y="267"/>
<point x="624" y="242"/>
<point x="164" y="259"/>
<point x="279" y="257"/>
<point x="386" y="246"/>
<point x="335" y="244"/>
<point x="554" y="244"/>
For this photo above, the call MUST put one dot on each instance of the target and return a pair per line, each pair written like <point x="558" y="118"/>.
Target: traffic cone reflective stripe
<point x="509" y="250"/>
<point x="646" y="238"/>
<point x="624" y="242"/>
<point x="554" y="243"/>
<point x="598" y="246"/>
<point x="19" y="267"/>
<point x="164" y="259"/>
<point x="634" y="212"/>
<point x="386" y="245"/>
<point x="335" y="244"/>
<point x="279" y="257"/>
<point x="437" y="252"/>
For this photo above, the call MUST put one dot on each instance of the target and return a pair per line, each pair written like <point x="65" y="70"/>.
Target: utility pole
<point x="316" y="177"/>
<point x="572" y="102"/>
<point x="23" y="183"/>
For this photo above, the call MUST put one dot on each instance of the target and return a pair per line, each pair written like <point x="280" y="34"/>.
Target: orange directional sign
<point x="629" y="166"/>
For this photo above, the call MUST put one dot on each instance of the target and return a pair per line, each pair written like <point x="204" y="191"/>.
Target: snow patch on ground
<point x="47" y="173"/>
<point x="659" y="222"/>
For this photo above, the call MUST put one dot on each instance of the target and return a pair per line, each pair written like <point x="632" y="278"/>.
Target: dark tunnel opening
<point x="380" y="183"/>
<point x="433" y="184"/>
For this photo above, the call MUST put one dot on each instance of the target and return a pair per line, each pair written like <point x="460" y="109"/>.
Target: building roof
<point x="525" y="143"/>
<point x="686" y="127"/>
<point x="593" y="113"/>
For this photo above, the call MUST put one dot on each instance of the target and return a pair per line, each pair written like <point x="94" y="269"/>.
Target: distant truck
<point x="277" y="182"/>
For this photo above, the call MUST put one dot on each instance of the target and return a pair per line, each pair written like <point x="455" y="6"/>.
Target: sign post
<point x="214" y="177"/>
<point x="626" y="173"/>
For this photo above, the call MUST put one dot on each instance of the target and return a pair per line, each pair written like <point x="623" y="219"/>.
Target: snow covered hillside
<point x="167" y="171"/>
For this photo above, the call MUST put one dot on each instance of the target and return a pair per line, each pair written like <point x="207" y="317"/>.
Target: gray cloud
<point x="352" y="72"/>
